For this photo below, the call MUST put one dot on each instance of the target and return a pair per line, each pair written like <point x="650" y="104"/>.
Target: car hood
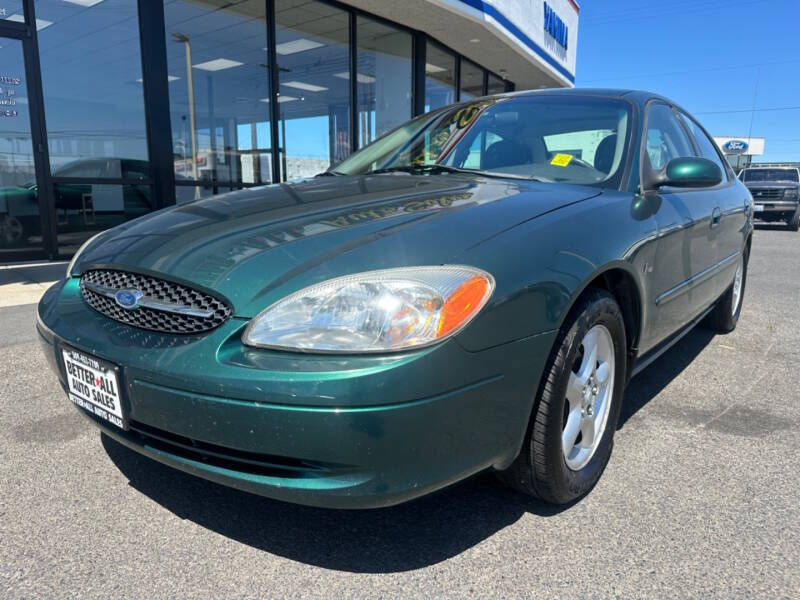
<point x="772" y="185"/>
<point x="255" y="246"/>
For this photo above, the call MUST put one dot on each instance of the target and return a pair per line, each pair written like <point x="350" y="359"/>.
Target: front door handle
<point x="716" y="215"/>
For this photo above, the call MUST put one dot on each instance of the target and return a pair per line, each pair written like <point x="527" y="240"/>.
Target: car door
<point x="682" y="283"/>
<point x="734" y="204"/>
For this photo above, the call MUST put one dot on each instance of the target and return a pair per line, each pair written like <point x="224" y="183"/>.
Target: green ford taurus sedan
<point x="471" y="292"/>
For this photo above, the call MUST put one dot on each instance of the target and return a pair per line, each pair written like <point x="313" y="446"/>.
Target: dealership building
<point x="110" y="109"/>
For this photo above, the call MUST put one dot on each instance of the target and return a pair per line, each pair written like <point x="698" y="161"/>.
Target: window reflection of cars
<point x="78" y="205"/>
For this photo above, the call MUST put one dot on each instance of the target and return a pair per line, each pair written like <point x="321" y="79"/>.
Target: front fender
<point x="542" y="266"/>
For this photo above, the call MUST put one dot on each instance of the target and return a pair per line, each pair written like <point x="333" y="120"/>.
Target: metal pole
<point x="180" y="37"/>
<point x="192" y="118"/>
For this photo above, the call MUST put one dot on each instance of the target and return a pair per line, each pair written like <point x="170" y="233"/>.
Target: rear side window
<point x="666" y="139"/>
<point x="707" y="147"/>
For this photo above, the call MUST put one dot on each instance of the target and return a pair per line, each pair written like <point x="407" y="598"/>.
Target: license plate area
<point x="94" y="385"/>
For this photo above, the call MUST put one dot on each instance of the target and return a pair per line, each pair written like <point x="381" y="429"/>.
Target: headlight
<point x="790" y="194"/>
<point x="377" y="311"/>
<point x="75" y="256"/>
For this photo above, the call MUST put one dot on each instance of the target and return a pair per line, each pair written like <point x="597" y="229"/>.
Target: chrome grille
<point x="766" y="193"/>
<point x="165" y="306"/>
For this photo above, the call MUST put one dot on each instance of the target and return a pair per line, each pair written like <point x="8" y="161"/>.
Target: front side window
<point x="547" y="138"/>
<point x="708" y="149"/>
<point x="666" y="139"/>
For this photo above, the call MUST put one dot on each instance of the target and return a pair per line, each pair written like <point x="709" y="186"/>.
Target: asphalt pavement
<point x="701" y="497"/>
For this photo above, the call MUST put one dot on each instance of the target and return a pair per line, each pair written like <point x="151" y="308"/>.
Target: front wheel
<point x="571" y="430"/>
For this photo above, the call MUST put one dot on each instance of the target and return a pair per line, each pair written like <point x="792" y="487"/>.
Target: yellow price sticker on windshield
<point x="561" y="160"/>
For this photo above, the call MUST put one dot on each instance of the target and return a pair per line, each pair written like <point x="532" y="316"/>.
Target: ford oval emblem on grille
<point x="128" y="299"/>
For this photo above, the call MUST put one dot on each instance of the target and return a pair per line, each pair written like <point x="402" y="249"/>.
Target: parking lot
<point x="700" y="496"/>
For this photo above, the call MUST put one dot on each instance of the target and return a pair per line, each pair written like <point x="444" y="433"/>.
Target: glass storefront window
<point x="313" y="58"/>
<point x="384" y="78"/>
<point x="496" y="85"/>
<point x="471" y="80"/>
<point x="92" y="80"/>
<point x="83" y="209"/>
<point x="219" y="81"/>
<point x="12" y="10"/>
<point x="218" y="76"/>
<point x="20" y="223"/>
<point x="187" y="193"/>
<point x="440" y="77"/>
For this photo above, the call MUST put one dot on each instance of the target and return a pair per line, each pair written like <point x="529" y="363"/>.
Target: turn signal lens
<point x="377" y="311"/>
<point x="462" y="304"/>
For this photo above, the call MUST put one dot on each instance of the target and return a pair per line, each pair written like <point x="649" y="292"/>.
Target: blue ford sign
<point x="735" y="147"/>
<point x="128" y="299"/>
<point x="555" y="26"/>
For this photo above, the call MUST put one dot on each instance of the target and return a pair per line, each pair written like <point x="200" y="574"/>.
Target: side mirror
<point x="688" y="172"/>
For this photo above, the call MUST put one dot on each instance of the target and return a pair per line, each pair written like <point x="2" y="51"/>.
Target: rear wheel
<point x="11" y="230"/>
<point x="571" y="431"/>
<point x="726" y="313"/>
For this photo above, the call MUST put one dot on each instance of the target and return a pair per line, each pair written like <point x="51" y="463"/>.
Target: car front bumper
<point x="333" y="431"/>
<point x="773" y="206"/>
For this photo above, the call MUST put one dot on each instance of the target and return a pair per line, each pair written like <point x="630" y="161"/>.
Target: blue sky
<point x="713" y="57"/>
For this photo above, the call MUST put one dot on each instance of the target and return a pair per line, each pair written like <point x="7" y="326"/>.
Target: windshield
<point x="770" y="175"/>
<point x="547" y="138"/>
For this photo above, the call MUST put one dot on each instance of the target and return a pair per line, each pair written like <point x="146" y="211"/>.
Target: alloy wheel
<point x="588" y="398"/>
<point x="737" y="286"/>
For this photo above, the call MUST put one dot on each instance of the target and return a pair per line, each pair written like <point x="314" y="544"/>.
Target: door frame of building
<point x="26" y="33"/>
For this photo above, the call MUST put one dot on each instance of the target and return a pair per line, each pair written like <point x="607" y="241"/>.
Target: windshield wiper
<point x="437" y="168"/>
<point x="434" y="168"/>
<point x="329" y="174"/>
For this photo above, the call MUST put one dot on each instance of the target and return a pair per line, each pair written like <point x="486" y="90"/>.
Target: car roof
<point x="771" y="168"/>
<point x="638" y="96"/>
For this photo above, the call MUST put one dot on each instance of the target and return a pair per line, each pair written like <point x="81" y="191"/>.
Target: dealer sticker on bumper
<point x="94" y="386"/>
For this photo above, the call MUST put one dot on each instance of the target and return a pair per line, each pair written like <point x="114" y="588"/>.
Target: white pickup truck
<point x="776" y="194"/>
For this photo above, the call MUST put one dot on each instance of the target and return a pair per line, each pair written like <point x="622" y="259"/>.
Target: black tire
<point x="723" y="318"/>
<point x="541" y="470"/>
<point x="794" y="222"/>
<point x="12" y="230"/>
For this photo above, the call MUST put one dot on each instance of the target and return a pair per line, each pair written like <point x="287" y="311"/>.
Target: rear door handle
<point x="716" y="215"/>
